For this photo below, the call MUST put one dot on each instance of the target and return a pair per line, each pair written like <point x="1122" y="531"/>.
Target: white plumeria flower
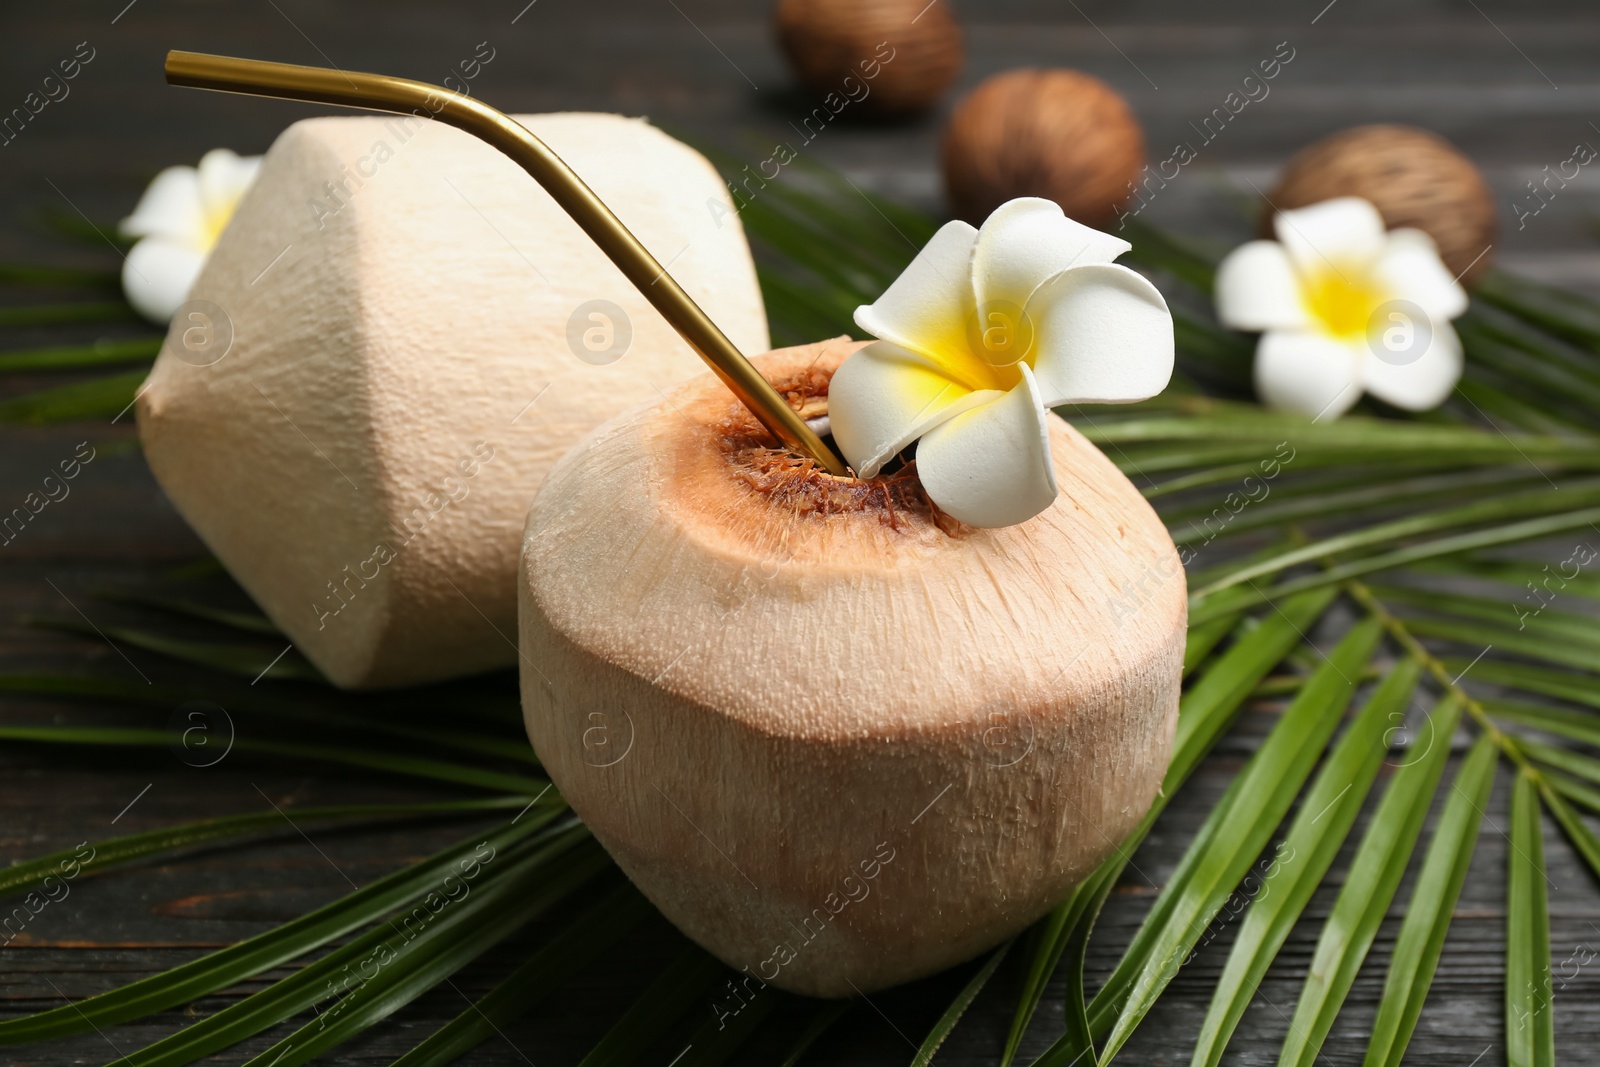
<point x="1344" y="308"/>
<point x="981" y="335"/>
<point x="178" y="220"/>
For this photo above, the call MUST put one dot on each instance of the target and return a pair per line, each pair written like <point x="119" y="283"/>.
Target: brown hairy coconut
<point x="878" y="57"/>
<point x="410" y="340"/>
<point x="839" y="739"/>
<point x="1413" y="177"/>
<point x="1060" y="134"/>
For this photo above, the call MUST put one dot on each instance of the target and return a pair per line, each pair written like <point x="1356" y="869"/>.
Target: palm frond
<point x="1421" y="940"/>
<point x="541" y="975"/>
<point x="958" y="1007"/>
<point x="225" y="967"/>
<point x="1530" y="1028"/>
<point x="1370" y="886"/>
<point x="1308" y="849"/>
<point x="77" y="357"/>
<point x="109" y="853"/>
<point x="102" y="398"/>
<point x="693" y="976"/>
<point x="409" y="966"/>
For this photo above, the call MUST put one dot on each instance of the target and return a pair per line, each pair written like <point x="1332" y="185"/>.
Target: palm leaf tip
<point x="1530" y="1027"/>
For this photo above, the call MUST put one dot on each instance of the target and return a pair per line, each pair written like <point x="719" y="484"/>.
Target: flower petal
<point x="926" y="308"/>
<point x="1410" y="267"/>
<point x="883" y="397"/>
<point x="1335" y="234"/>
<point x="1103" y="335"/>
<point x="1257" y="289"/>
<point x="1026" y="241"/>
<point x="1424" y="382"/>
<point x="223" y="179"/>
<point x="991" y="466"/>
<point x="169" y="207"/>
<point x="157" y="276"/>
<point x="1307" y="371"/>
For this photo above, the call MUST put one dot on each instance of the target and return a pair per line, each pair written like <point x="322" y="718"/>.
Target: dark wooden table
<point x="1515" y="85"/>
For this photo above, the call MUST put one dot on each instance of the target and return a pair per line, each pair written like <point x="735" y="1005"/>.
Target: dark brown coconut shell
<point x="1059" y="134"/>
<point x="905" y="53"/>
<point x="1413" y="177"/>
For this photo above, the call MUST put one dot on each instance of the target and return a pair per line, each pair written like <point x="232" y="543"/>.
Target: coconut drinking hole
<point x="797" y="482"/>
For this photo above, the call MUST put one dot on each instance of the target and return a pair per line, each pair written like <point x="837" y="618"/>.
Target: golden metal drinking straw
<point x="378" y="92"/>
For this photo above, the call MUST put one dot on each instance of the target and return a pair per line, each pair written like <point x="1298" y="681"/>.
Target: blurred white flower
<point x="1344" y="308"/>
<point x="981" y="334"/>
<point x="178" y="220"/>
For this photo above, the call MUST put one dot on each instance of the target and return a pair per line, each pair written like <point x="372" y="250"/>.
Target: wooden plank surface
<point x="1515" y="85"/>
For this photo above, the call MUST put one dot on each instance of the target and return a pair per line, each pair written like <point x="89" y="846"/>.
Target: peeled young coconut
<point x="381" y="360"/>
<point x="839" y="739"/>
<point x="1414" y="178"/>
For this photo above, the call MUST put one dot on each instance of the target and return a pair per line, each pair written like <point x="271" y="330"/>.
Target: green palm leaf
<point x="223" y="968"/>
<point x="823" y="1016"/>
<point x="248" y="621"/>
<point x="1536" y="502"/>
<point x="1578" y="725"/>
<point x="1206" y="710"/>
<point x="59" y="277"/>
<point x="1209" y="706"/>
<point x="715" y="1041"/>
<point x="461" y="935"/>
<point x="57" y="314"/>
<point x="246" y="661"/>
<point x="1585" y="767"/>
<point x="1583" y="839"/>
<point x="1232" y="837"/>
<point x="1047" y="940"/>
<point x="76" y="357"/>
<point x="386" y="762"/>
<point x="1530" y="1029"/>
<point x="1565" y="788"/>
<point x="1551" y="309"/>
<point x="1369" y="887"/>
<point x="1421" y="940"/>
<point x="1084" y="908"/>
<point x="1507" y="534"/>
<point x="958" y="1007"/>
<point x="102" y="398"/>
<point x="116" y="851"/>
<point x="1577" y="688"/>
<point x="543" y="974"/>
<point x="268" y="703"/>
<point x="693" y="976"/>
<point x="1308" y="850"/>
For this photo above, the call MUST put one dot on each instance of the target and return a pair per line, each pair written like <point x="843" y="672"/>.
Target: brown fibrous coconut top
<point x="799" y="484"/>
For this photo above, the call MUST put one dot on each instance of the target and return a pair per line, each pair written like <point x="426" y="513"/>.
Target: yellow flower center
<point x="215" y="219"/>
<point x="1342" y="301"/>
<point x="1001" y="334"/>
<point x="987" y="352"/>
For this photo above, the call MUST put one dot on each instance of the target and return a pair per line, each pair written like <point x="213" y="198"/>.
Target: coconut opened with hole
<point x="402" y="371"/>
<point x="838" y="738"/>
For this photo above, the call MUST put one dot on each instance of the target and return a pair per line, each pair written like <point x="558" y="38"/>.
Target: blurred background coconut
<point x="1059" y="134"/>
<point x="909" y="51"/>
<point x="1413" y="177"/>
